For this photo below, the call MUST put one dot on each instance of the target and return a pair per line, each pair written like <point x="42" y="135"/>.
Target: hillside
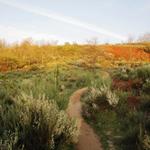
<point x="28" y="56"/>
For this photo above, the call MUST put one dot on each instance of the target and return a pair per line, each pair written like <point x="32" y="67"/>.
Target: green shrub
<point x="34" y="124"/>
<point x="132" y="131"/>
<point x="145" y="103"/>
<point x="106" y="93"/>
<point x="126" y="73"/>
<point x="122" y="73"/>
<point x="129" y="140"/>
<point x="122" y="107"/>
<point x="98" y="99"/>
<point x="143" y="72"/>
<point x="146" y="86"/>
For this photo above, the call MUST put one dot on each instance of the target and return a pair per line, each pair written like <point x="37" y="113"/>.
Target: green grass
<point x="120" y="125"/>
<point x="55" y="85"/>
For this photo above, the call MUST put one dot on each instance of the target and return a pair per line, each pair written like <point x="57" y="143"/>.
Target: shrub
<point x="34" y="124"/>
<point x="121" y="74"/>
<point x="112" y="98"/>
<point x="145" y="103"/>
<point x="98" y="99"/>
<point x="146" y="86"/>
<point x="132" y="137"/>
<point x="129" y="139"/>
<point x="146" y="142"/>
<point x="34" y="68"/>
<point x="143" y="72"/>
<point x="122" y="107"/>
<point x="147" y="49"/>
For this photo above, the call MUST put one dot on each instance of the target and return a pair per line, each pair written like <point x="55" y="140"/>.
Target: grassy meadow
<point x="36" y="82"/>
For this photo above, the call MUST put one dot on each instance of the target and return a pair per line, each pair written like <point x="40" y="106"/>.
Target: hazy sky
<point x="73" y="20"/>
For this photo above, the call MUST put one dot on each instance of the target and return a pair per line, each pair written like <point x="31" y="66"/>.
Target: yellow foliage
<point x="27" y="54"/>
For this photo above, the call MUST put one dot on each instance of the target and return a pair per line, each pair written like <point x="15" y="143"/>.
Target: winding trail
<point x="87" y="140"/>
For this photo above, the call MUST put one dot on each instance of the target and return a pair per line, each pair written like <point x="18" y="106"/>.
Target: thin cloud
<point x="65" y="19"/>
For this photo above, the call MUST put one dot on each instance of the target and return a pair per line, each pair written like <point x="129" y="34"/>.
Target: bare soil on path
<point x="87" y="139"/>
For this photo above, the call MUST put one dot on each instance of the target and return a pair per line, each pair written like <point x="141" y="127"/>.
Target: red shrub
<point x="133" y="101"/>
<point x="122" y="85"/>
<point x="127" y="85"/>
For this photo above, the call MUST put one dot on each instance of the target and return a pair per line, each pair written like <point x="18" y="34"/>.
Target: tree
<point x="2" y="43"/>
<point x="130" y="39"/>
<point x="93" y="41"/>
<point x="144" y="38"/>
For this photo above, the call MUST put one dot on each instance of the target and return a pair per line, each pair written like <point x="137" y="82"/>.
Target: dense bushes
<point x="127" y="125"/>
<point x="34" y="124"/>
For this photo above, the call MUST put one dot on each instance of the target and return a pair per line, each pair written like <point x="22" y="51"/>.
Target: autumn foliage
<point x="28" y="55"/>
<point x="129" y="53"/>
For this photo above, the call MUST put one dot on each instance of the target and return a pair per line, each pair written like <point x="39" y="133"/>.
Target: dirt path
<point x="88" y="140"/>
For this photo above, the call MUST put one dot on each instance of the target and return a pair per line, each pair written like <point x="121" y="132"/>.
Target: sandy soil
<point x="87" y="140"/>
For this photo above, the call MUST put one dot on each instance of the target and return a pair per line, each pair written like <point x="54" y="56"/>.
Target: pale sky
<point x="73" y="20"/>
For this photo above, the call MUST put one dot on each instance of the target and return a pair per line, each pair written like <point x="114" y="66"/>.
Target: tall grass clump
<point x="34" y="124"/>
